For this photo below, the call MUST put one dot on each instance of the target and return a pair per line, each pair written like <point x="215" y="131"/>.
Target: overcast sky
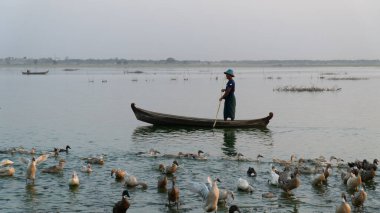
<point x="191" y="29"/>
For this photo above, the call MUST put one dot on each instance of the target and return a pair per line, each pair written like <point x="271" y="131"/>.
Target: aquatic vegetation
<point x="290" y="88"/>
<point x="347" y="78"/>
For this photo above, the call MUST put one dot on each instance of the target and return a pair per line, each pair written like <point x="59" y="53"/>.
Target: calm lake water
<point x="89" y="110"/>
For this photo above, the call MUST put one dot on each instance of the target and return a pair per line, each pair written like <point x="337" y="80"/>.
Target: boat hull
<point x="161" y="119"/>
<point x="35" y="73"/>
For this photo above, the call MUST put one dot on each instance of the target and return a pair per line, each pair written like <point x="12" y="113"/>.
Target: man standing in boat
<point x="229" y="96"/>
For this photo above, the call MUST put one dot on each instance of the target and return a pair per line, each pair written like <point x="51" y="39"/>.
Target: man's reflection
<point x="229" y="138"/>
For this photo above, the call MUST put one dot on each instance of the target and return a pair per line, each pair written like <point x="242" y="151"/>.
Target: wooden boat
<point x="161" y="119"/>
<point x="35" y="73"/>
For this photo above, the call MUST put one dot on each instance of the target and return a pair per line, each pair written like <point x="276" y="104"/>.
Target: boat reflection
<point x="146" y="134"/>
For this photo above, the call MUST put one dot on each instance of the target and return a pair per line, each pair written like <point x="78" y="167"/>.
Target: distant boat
<point x="35" y="73"/>
<point x="70" y="69"/>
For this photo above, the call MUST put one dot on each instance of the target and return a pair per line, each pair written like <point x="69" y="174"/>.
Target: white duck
<point x="74" y="180"/>
<point x="209" y="192"/>
<point x="354" y="181"/>
<point x="86" y="169"/>
<point x="243" y="185"/>
<point x="32" y="166"/>
<point x="131" y="181"/>
<point x="273" y="176"/>
<point x="6" y="162"/>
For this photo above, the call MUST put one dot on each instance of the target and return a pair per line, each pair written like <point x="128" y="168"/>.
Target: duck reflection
<point x="229" y="140"/>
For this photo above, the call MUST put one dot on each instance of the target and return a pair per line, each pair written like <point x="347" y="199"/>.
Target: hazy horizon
<point x="207" y="30"/>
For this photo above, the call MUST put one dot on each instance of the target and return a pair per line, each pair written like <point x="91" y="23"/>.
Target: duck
<point x="346" y="175"/>
<point x="268" y="195"/>
<point x="74" y="180"/>
<point x="344" y="207"/>
<point x="358" y="164"/>
<point x="151" y="153"/>
<point x="369" y="166"/>
<point x="180" y="154"/>
<point x="55" y="169"/>
<point x="234" y="209"/>
<point x="212" y="198"/>
<point x="251" y="172"/>
<point x="87" y="168"/>
<point x="131" y="181"/>
<point x="274" y="176"/>
<point x="123" y="205"/>
<point x="198" y="156"/>
<point x="367" y="175"/>
<point x="55" y="152"/>
<point x="119" y="174"/>
<point x="303" y="169"/>
<point x="6" y="162"/>
<point x="23" y="151"/>
<point x="224" y="194"/>
<point x="289" y="184"/>
<point x="258" y="158"/>
<point x="285" y="162"/>
<point x="353" y="182"/>
<point x="95" y="160"/>
<point x="203" y="189"/>
<point x="327" y="171"/>
<point x="243" y="185"/>
<point x="359" y="197"/>
<point x="170" y="169"/>
<point x="240" y="157"/>
<point x="173" y="193"/>
<point x="7" y="171"/>
<point x="322" y="161"/>
<point x="319" y="179"/>
<point x="65" y="150"/>
<point x="237" y="157"/>
<point x="364" y="164"/>
<point x="162" y="182"/>
<point x="32" y="166"/>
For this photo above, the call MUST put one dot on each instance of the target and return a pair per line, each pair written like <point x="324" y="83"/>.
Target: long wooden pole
<point x="216" y="117"/>
<point x="217" y="112"/>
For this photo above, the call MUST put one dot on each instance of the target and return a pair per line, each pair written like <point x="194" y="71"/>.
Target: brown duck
<point x="344" y="207"/>
<point x="367" y="174"/>
<point x="55" y="169"/>
<point x="173" y="193"/>
<point x="122" y="205"/>
<point x="162" y="182"/>
<point x="119" y="174"/>
<point x="359" y="197"/>
<point x="170" y="169"/>
<point x="289" y="184"/>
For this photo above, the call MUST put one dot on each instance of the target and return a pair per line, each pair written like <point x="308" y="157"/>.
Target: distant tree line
<point x="9" y="61"/>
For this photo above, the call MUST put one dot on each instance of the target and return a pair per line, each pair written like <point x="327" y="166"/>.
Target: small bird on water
<point x="32" y="166"/>
<point x="123" y="205"/>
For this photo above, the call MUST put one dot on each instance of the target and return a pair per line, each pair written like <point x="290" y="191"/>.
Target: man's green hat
<point x="230" y="72"/>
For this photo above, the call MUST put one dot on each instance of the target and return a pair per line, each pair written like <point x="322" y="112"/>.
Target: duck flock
<point x="282" y="174"/>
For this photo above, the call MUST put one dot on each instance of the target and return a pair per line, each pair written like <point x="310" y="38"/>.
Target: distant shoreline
<point x="171" y="62"/>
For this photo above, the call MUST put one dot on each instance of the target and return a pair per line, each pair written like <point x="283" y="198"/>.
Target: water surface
<point x="89" y="109"/>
